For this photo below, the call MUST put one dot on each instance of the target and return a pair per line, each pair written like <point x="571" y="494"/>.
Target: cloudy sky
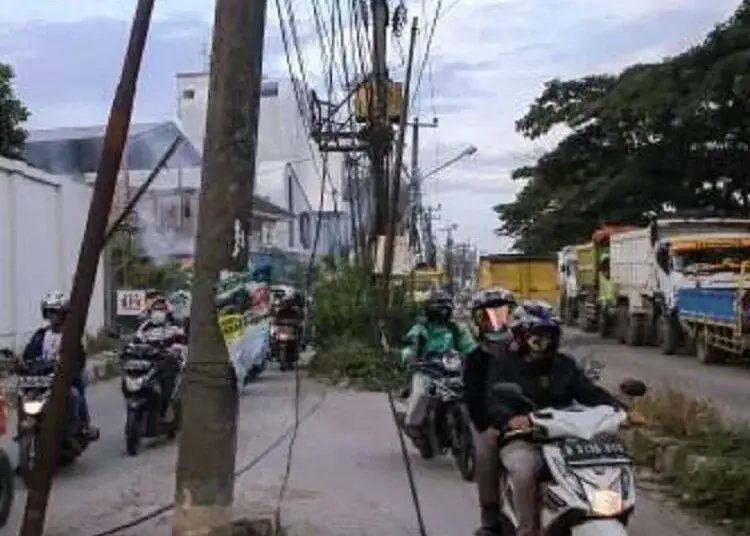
<point x="488" y="61"/>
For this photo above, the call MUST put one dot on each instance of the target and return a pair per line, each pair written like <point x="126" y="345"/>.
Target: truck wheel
<point x="705" y="352"/>
<point x="569" y="313"/>
<point x="623" y="319"/>
<point x="635" y="331"/>
<point x="584" y="322"/>
<point x="669" y="335"/>
<point x="604" y="324"/>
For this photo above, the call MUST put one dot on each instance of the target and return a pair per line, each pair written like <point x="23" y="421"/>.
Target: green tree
<point x="12" y="116"/>
<point x="657" y="138"/>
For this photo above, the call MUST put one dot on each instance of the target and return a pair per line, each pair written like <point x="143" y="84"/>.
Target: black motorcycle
<point x="34" y="389"/>
<point x="143" y="364"/>
<point x="285" y="343"/>
<point x="446" y="426"/>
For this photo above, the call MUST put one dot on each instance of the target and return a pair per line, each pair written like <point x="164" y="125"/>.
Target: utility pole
<point x="204" y="487"/>
<point x="380" y="130"/>
<point x="395" y="201"/>
<point x="415" y="189"/>
<point x="428" y="216"/>
<point x="71" y="359"/>
<point x="449" y="264"/>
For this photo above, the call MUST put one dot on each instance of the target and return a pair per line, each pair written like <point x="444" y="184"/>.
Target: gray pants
<point x="487" y="473"/>
<point x="523" y="462"/>
<point x="416" y="408"/>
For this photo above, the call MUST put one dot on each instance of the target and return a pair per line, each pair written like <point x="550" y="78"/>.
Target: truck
<point x="424" y="279"/>
<point x="670" y="278"/>
<point x="589" y="290"/>
<point x="529" y="277"/>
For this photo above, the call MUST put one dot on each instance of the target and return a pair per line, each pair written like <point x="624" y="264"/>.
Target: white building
<point x="289" y="164"/>
<point x="42" y="219"/>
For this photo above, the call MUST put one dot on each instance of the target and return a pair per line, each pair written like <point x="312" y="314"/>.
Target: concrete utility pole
<point x="204" y="488"/>
<point x="380" y="130"/>
<point x="395" y="201"/>
<point x="429" y="215"/>
<point x="415" y="198"/>
<point x="71" y="360"/>
<point x="449" y="264"/>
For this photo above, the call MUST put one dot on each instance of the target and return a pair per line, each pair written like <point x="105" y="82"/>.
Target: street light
<point x="468" y="151"/>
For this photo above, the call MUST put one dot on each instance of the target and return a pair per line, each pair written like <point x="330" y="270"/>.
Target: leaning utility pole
<point x="71" y="359"/>
<point x="204" y="488"/>
<point x="395" y="201"/>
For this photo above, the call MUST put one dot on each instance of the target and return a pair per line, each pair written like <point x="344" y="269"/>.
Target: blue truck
<point x="715" y="322"/>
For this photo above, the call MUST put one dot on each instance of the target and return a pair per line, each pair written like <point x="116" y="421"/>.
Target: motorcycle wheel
<point x="26" y="455"/>
<point x="464" y="450"/>
<point x="7" y="488"/>
<point x="133" y="432"/>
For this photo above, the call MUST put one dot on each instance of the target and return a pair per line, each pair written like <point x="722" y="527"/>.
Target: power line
<point x="427" y="50"/>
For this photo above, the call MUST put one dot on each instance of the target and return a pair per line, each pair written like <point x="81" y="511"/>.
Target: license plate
<point x="601" y="450"/>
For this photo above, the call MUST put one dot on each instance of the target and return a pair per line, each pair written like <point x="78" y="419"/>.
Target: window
<point x="188" y="94"/>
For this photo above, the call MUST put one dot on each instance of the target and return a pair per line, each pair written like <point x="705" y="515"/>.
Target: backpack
<point x="455" y="335"/>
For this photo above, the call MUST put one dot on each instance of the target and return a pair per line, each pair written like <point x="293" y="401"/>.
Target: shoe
<point x="90" y="432"/>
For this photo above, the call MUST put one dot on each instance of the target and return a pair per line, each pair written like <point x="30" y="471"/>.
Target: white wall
<point x="42" y="219"/>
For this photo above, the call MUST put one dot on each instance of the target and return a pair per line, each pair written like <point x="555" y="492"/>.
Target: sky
<point x="487" y="63"/>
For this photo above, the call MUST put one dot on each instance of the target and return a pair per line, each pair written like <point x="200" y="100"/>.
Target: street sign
<point x="130" y="302"/>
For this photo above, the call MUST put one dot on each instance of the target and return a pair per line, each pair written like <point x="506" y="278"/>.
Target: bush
<point x="357" y="363"/>
<point x="713" y="466"/>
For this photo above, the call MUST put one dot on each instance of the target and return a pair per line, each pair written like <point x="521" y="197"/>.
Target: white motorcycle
<point x="588" y="485"/>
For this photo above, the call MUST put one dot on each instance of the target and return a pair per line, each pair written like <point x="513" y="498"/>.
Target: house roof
<point x="76" y="150"/>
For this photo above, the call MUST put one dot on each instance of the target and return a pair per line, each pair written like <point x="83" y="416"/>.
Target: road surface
<point x="728" y="385"/>
<point x="347" y="474"/>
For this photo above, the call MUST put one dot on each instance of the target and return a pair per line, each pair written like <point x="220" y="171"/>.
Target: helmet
<point x="490" y="313"/>
<point x="536" y="325"/>
<point x="438" y="307"/>
<point x="54" y="302"/>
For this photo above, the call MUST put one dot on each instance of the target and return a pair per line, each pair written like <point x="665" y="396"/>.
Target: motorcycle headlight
<point x="134" y="384"/>
<point x="33" y="407"/>
<point x="452" y="362"/>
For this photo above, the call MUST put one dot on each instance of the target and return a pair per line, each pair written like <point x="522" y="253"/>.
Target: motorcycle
<point x="285" y="344"/>
<point x="446" y="426"/>
<point x="143" y="394"/>
<point x="7" y="484"/>
<point x="34" y="389"/>
<point x="588" y="487"/>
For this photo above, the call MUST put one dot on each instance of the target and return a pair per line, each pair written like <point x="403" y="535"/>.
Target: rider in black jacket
<point x="548" y="378"/>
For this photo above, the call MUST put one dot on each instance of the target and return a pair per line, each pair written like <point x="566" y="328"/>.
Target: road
<point x="347" y="474"/>
<point x="727" y="385"/>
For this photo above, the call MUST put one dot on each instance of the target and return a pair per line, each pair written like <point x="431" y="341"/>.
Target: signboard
<point x="130" y="302"/>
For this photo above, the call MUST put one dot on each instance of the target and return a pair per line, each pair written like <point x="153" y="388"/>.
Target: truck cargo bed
<point x="708" y="305"/>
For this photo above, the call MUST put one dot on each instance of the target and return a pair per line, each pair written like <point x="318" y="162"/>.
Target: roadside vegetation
<point x="703" y="456"/>
<point x="347" y="328"/>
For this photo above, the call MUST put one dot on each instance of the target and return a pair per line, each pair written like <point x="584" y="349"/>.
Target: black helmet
<point x="438" y="307"/>
<point x="537" y="327"/>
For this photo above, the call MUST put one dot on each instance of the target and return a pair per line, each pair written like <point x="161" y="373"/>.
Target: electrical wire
<point x="427" y="50"/>
<point x="157" y="512"/>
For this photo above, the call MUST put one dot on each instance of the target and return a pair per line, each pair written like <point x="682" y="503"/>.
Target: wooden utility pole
<point x="71" y="359"/>
<point x="395" y="201"/>
<point x="204" y="488"/>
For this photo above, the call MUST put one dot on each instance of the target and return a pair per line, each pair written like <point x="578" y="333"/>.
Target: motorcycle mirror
<point x="633" y="388"/>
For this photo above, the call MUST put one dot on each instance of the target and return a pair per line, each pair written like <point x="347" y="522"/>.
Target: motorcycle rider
<point x="160" y="325"/>
<point x="437" y="333"/>
<point x="548" y="378"/>
<point x="45" y="345"/>
<point x="490" y="313"/>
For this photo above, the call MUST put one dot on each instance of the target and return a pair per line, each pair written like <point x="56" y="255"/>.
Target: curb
<point x="99" y="367"/>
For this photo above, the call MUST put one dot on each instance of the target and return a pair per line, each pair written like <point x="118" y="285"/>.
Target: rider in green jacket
<point x="437" y="333"/>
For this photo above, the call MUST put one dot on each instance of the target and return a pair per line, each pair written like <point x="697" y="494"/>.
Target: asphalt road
<point x="347" y="476"/>
<point x="728" y="385"/>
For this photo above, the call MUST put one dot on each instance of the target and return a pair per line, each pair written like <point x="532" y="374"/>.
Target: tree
<point x="657" y="138"/>
<point x="12" y="115"/>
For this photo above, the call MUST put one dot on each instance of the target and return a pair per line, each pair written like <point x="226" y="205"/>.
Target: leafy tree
<point x="659" y="137"/>
<point x="134" y="269"/>
<point x="12" y="115"/>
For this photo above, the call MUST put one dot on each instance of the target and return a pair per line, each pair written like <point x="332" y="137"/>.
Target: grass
<point x="712" y="469"/>
<point x="358" y="364"/>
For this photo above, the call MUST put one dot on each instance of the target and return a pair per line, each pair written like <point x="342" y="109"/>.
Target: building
<point x="289" y="164"/>
<point x="42" y="220"/>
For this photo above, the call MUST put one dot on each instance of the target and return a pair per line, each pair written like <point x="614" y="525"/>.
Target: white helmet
<point x="54" y="301"/>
